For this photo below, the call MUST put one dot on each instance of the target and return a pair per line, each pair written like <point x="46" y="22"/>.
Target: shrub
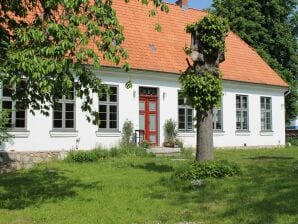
<point x="86" y="156"/>
<point x="170" y="132"/>
<point x="99" y="154"/>
<point x="209" y="169"/>
<point x="293" y="140"/>
<point x="145" y="144"/>
<point x="127" y="133"/>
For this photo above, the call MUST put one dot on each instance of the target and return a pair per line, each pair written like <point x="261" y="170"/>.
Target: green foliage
<point x="209" y="169"/>
<point x="127" y="133"/>
<point x="271" y="28"/>
<point x="201" y="92"/>
<point x="145" y="144"/>
<point x="170" y="130"/>
<point x="187" y="153"/>
<point x="48" y="43"/>
<point x="293" y="140"/>
<point x="4" y="119"/>
<point x="86" y="156"/>
<point x="100" y="154"/>
<point x="210" y="32"/>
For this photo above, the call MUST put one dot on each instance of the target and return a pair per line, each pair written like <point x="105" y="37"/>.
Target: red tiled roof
<point x="163" y="51"/>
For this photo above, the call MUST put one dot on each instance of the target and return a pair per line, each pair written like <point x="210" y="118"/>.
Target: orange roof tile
<point x="163" y="51"/>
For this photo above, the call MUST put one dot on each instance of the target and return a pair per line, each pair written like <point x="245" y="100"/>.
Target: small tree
<point x="201" y="82"/>
<point x="127" y="133"/>
<point x="170" y="132"/>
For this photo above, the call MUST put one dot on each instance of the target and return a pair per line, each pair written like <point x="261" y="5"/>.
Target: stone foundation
<point x="12" y="161"/>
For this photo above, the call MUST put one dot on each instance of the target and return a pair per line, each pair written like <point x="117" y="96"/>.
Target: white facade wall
<point x="40" y="136"/>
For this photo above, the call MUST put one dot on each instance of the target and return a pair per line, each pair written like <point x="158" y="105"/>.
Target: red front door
<point x="148" y="106"/>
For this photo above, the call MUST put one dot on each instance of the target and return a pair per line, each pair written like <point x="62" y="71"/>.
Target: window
<point x="241" y="112"/>
<point x="217" y="118"/>
<point x="266" y="114"/>
<point x="17" y="112"/>
<point x="185" y="115"/>
<point x="64" y="112"/>
<point x="108" y="110"/>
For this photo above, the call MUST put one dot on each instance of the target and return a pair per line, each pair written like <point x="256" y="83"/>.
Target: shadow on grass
<point x="271" y="158"/>
<point x="31" y="188"/>
<point x="264" y="193"/>
<point x="154" y="167"/>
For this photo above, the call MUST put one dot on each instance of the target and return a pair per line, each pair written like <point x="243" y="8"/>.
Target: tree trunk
<point x="204" y="136"/>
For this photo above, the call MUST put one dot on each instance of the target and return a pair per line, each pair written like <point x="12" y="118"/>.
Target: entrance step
<point x="164" y="151"/>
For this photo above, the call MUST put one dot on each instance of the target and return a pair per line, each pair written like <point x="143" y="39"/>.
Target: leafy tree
<point x="270" y="26"/>
<point x="201" y="82"/>
<point x="48" y="43"/>
<point x="4" y="118"/>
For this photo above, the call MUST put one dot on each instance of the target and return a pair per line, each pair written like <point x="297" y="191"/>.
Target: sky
<point x="199" y="4"/>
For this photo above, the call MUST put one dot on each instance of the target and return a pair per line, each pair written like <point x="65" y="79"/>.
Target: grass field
<point x="138" y="190"/>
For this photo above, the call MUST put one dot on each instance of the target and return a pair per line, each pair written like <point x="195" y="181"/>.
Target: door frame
<point x="146" y="112"/>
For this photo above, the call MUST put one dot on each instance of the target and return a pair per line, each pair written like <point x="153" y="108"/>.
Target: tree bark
<point x="204" y="125"/>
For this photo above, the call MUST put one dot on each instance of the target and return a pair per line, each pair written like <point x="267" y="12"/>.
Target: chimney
<point x="183" y="4"/>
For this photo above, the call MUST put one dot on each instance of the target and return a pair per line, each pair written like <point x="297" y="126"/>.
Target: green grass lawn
<point x="137" y="190"/>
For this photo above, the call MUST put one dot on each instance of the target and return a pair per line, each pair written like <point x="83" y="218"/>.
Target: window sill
<point x="108" y="134"/>
<point x="188" y="134"/>
<point x="218" y="133"/>
<point x="63" y="133"/>
<point x="19" y="133"/>
<point x="242" y="133"/>
<point x="266" y="133"/>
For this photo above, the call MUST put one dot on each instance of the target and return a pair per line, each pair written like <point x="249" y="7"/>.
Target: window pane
<point x="238" y="102"/>
<point x="57" y="123"/>
<point x="7" y="105"/>
<point x="57" y="115"/>
<point x="238" y="120"/>
<point x="70" y="95"/>
<point x="102" y="124"/>
<point x="102" y="108"/>
<point x="113" y="95"/>
<point x="142" y="122"/>
<point x="153" y="138"/>
<point x="69" y="124"/>
<point x="245" y="120"/>
<point x="113" y="116"/>
<point x="152" y="120"/>
<point x="69" y="107"/>
<point x="113" y="109"/>
<point x="20" y="123"/>
<point x="58" y="107"/>
<point x="180" y="99"/>
<point x="262" y="102"/>
<point x="244" y="102"/>
<point x="263" y="121"/>
<point x="103" y="97"/>
<point x="152" y="106"/>
<point x="20" y="114"/>
<point x="141" y="105"/>
<point x="69" y="115"/>
<point x="268" y="103"/>
<point x="102" y="116"/>
<point x="113" y="124"/>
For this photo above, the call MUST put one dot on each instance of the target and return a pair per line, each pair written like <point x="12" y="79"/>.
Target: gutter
<point x="288" y="92"/>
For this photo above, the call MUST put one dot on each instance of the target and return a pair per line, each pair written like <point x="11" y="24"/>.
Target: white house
<point x="252" y="112"/>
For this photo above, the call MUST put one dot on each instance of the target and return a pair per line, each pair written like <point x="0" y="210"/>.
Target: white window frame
<point x="242" y="110"/>
<point x="265" y="111"/>
<point x="185" y="107"/>
<point x="109" y="103"/>
<point x="217" y="110"/>
<point x="65" y="101"/>
<point x="13" y="111"/>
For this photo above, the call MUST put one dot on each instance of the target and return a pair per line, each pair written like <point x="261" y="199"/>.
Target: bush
<point x="293" y="140"/>
<point x="86" y="156"/>
<point x="170" y="132"/>
<point x="127" y="133"/>
<point x="209" y="169"/>
<point x="99" y="154"/>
